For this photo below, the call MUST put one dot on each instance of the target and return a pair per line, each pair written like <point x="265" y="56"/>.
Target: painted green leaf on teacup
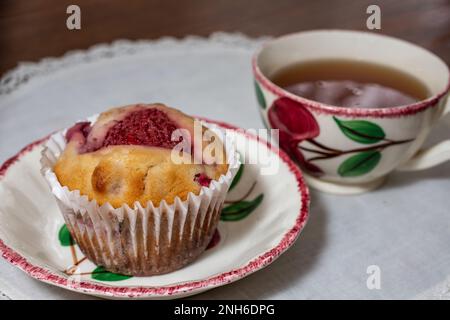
<point x="260" y="95"/>
<point x="238" y="175"/>
<point x="239" y="210"/>
<point x="65" y="239"/>
<point x="361" y="131"/>
<point x="359" y="164"/>
<point x="102" y="275"/>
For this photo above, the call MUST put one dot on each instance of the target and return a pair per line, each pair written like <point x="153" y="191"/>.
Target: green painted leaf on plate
<point x="260" y="95"/>
<point x="238" y="175"/>
<point x="359" y="164"/>
<point x="361" y="131"/>
<point x="102" y="275"/>
<point x="65" y="239"/>
<point x="239" y="210"/>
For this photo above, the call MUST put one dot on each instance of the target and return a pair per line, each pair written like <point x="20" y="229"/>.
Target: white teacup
<point x="351" y="150"/>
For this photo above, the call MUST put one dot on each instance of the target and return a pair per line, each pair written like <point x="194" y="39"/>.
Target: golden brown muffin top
<point x="126" y="156"/>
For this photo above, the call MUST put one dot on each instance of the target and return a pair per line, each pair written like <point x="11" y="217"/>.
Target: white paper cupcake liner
<point x="141" y="240"/>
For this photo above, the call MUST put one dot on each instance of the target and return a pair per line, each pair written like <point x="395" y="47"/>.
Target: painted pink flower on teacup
<point x="296" y="124"/>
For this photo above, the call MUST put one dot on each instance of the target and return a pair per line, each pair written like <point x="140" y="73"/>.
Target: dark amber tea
<point x="351" y="83"/>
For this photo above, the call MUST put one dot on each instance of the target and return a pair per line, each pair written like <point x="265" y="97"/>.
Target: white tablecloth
<point x="404" y="227"/>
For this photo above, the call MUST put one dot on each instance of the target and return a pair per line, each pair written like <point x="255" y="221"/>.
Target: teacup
<point x="336" y="146"/>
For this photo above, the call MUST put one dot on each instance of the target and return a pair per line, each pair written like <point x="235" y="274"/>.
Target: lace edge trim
<point x="439" y="292"/>
<point x="25" y="71"/>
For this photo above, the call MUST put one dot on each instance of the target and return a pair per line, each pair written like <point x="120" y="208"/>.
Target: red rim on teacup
<point x="343" y="111"/>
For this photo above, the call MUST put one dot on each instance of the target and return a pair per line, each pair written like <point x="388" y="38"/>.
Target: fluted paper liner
<point x="141" y="240"/>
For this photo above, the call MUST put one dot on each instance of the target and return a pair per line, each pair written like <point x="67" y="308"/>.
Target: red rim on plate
<point x="256" y="264"/>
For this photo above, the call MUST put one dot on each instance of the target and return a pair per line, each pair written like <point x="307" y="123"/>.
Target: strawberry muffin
<point x="128" y="204"/>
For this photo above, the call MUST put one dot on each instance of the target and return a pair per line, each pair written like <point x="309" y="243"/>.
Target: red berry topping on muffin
<point x="125" y="156"/>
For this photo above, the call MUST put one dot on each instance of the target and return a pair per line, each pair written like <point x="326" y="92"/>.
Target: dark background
<point x="33" y="29"/>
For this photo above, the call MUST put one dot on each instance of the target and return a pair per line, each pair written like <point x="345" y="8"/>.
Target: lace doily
<point x="212" y="77"/>
<point x="439" y="292"/>
<point x="27" y="70"/>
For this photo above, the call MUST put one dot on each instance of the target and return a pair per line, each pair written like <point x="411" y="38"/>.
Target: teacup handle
<point x="430" y="157"/>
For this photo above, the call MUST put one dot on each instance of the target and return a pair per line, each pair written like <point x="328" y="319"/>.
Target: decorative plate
<point x="262" y="217"/>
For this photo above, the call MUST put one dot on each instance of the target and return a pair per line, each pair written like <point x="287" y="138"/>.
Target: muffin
<point x="140" y="195"/>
